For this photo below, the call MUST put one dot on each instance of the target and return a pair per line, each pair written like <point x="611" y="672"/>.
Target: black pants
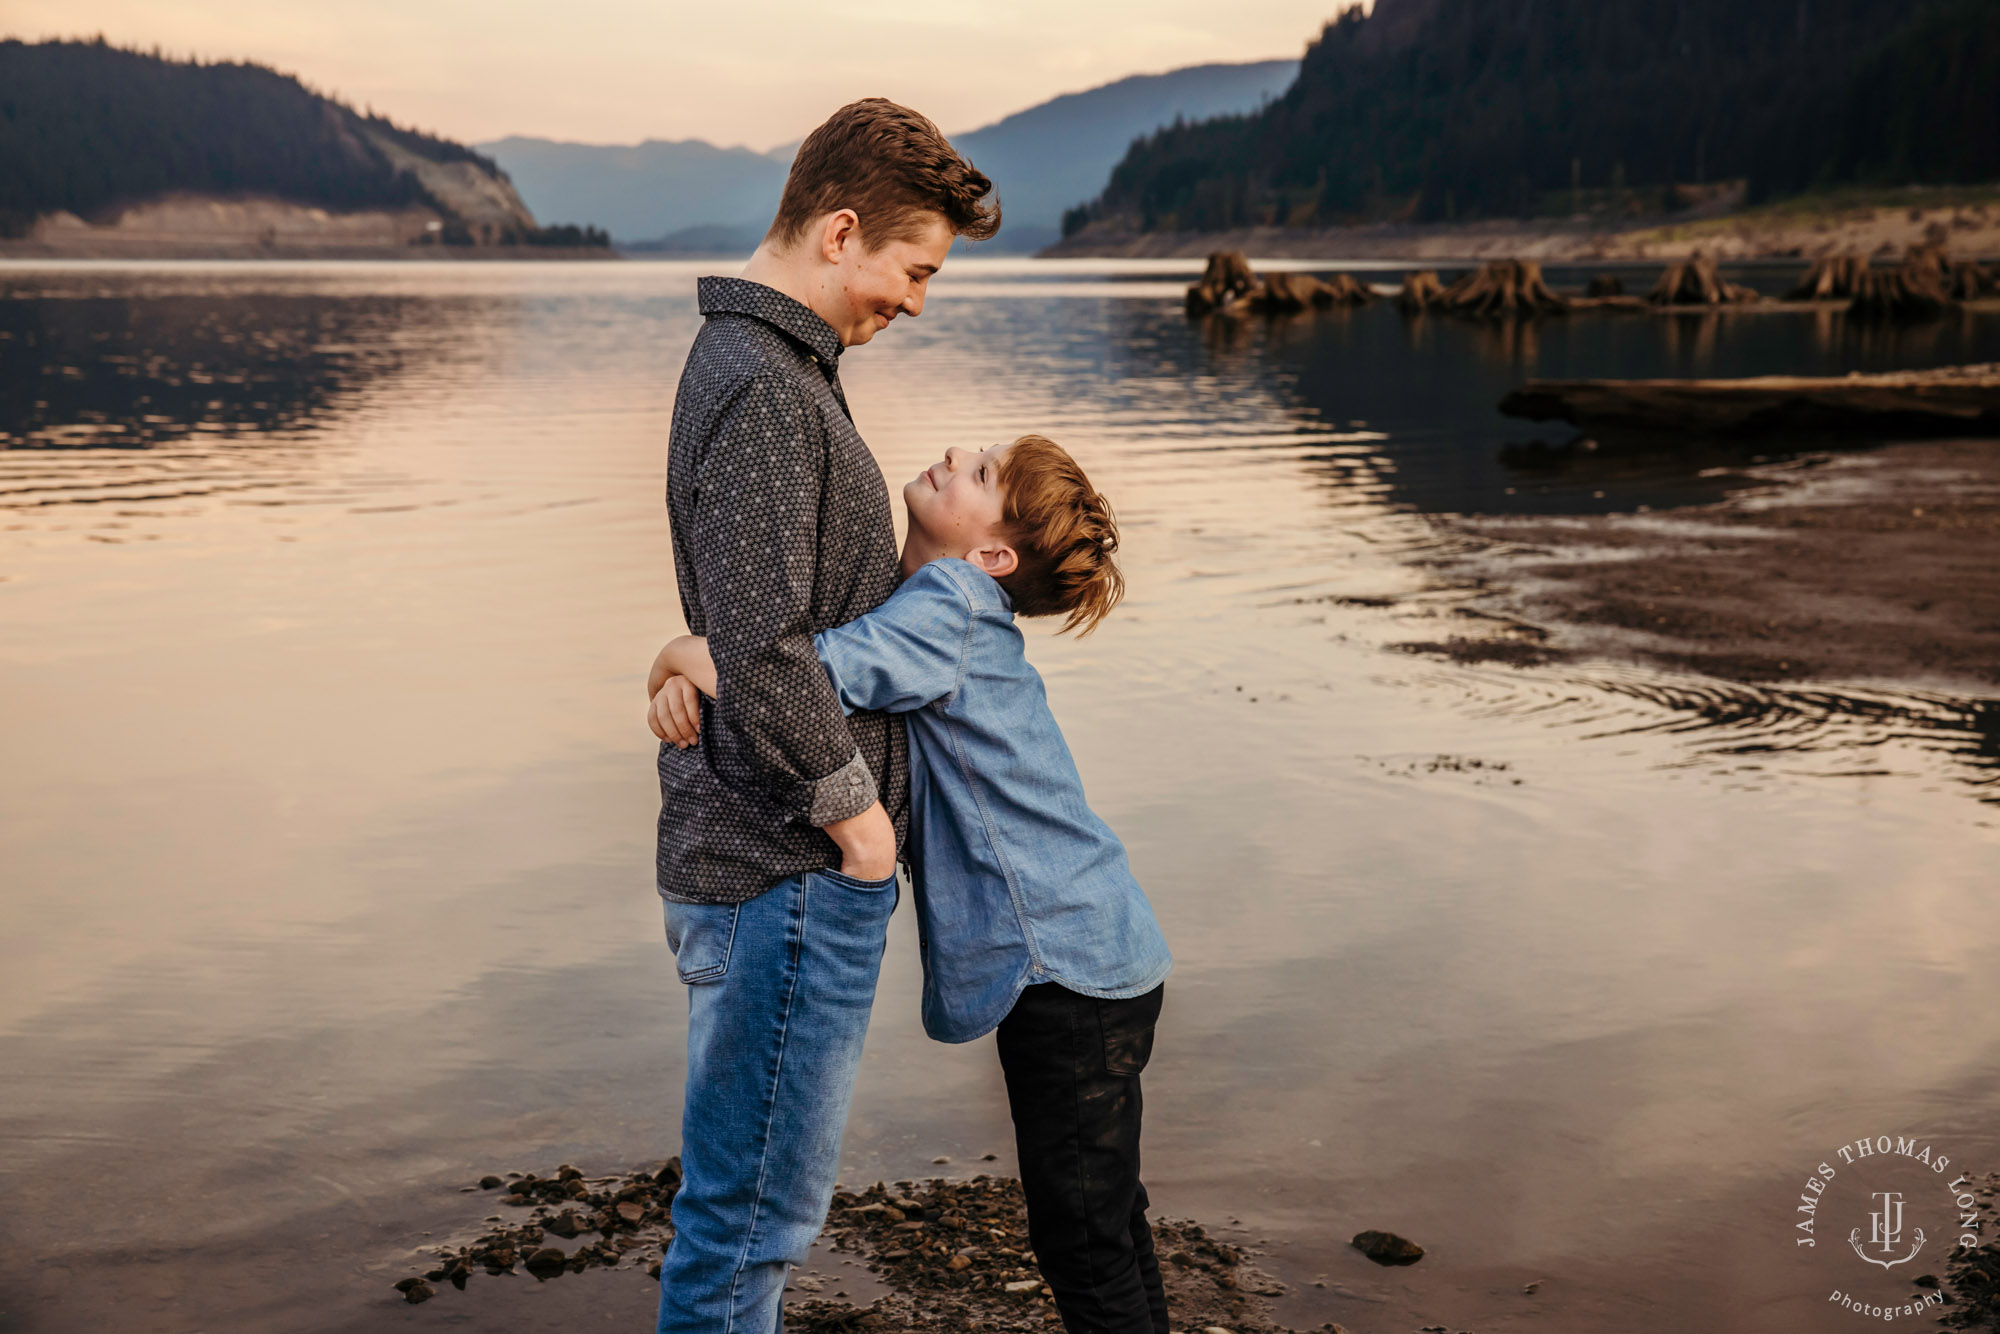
<point x="1072" y="1066"/>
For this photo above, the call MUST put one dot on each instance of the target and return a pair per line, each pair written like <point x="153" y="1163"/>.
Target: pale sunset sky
<point x="755" y="72"/>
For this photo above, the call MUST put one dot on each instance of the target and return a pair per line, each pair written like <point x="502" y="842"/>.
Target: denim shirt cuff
<point x="844" y="793"/>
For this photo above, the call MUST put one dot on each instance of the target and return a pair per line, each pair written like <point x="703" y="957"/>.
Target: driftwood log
<point x="1421" y="291"/>
<point x="1502" y="287"/>
<point x="1953" y="400"/>
<point x="1229" y="286"/>
<point x="1695" y="281"/>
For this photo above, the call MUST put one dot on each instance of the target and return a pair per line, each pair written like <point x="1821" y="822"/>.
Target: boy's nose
<point x="951" y="454"/>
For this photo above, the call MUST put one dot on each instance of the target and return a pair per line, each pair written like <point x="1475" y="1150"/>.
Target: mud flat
<point x="1880" y="565"/>
<point x="1951" y="400"/>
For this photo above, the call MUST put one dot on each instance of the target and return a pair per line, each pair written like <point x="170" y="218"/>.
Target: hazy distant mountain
<point x="689" y="195"/>
<point x="639" y="192"/>
<point x="1059" y="154"/>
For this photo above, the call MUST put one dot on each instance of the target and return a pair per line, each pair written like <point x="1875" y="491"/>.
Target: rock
<point x="517" y="1201"/>
<point x="490" y="1183"/>
<point x="568" y="1173"/>
<point x="1386" y="1248"/>
<point x="958" y="1262"/>
<point x="563" y="1224"/>
<point x="1022" y="1285"/>
<point x="630" y="1212"/>
<point x="1216" y="1329"/>
<point x="939" y="1162"/>
<point x="415" y="1290"/>
<point x="547" y="1262"/>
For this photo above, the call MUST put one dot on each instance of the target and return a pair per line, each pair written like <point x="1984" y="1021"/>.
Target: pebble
<point x="415" y="1290"/>
<point x="1386" y="1248"/>
<point x="491" y="1183"/>
<point x="1024" y="1285"/>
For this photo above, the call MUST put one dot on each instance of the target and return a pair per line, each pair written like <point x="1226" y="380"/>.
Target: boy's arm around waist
<point x="906" y="653"/>
<point x="755" y="543"/>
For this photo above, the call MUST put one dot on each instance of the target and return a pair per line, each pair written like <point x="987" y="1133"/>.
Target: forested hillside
<point x="1458" y="109"/>
<point x="89" y="129"/>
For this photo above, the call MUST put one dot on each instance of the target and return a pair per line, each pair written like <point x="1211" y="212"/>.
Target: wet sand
<point x="1873" y="566"/>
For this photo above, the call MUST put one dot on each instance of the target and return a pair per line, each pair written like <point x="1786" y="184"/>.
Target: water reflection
<point x="327" y="828"/>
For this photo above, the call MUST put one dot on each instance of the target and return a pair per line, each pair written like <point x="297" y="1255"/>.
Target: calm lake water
<point x="326" y="594"/>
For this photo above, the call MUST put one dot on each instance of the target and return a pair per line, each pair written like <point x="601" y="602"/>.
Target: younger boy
<point x="1029" y="919"/>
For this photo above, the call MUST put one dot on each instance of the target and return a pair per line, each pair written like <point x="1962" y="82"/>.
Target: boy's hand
<point x="674" y="713"/>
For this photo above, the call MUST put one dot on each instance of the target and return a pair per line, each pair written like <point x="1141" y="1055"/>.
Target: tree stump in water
<point x="1228" y="285"/>
<point x="1227" y="277"/>
<point x="1503" y="287"/>
<point x="1831" y="278"/>
<point x="1604" y="284"/>
<point x="1696" y="282"/>
<point x="1421" y="291"/>
<point x="1914" y="289"/>
<point x="1282" y="293"/>
<point x="1965" y="280"/>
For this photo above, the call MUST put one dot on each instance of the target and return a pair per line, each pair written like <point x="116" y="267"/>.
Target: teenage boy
<point x="779" y="837"/>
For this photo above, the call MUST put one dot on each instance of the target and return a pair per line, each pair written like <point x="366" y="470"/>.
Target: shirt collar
<point x="740" y="296"/>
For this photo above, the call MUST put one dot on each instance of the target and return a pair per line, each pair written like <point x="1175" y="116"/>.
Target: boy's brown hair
<point x="891" y="166"/>
<point x="1064" y="534"/>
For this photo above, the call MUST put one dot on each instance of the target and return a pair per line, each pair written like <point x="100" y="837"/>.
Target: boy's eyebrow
<point x="927" y="269"/>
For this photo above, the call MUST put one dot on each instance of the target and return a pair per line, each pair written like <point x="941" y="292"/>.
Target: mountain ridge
<point x="1454" y="110"/>
<point x="693" y="195"/>
<point x="92" y="134"/>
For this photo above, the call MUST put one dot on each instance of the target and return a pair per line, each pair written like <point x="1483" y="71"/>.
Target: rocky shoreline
<point x="953" y="1254"/>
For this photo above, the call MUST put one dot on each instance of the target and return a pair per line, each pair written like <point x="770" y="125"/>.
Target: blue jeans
<point x="779" y="991"/>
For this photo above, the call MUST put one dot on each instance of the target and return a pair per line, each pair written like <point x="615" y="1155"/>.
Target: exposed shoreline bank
<point x="203" y="227"/>
<point x="1966" y="222"/>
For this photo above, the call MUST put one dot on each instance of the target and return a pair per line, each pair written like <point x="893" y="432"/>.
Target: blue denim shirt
<point x="1017" y="880"/>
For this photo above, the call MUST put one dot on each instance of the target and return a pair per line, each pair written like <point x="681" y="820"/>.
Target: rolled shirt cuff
<point x="844" y="793"/>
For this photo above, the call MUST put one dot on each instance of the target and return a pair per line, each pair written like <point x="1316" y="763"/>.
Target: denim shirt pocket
<point x="701" y="936"/>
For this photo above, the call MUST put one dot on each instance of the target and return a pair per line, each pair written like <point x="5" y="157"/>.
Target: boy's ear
<point x="997" y="559"/>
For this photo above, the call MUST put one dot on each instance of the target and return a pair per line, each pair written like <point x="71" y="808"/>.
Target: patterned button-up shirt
<point x="781" y="529"/>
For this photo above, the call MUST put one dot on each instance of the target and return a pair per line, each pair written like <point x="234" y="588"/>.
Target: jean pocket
<point x="1127" y="1027"/>
<point x="701" y="935"/>
<point x="873" y="886"/>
